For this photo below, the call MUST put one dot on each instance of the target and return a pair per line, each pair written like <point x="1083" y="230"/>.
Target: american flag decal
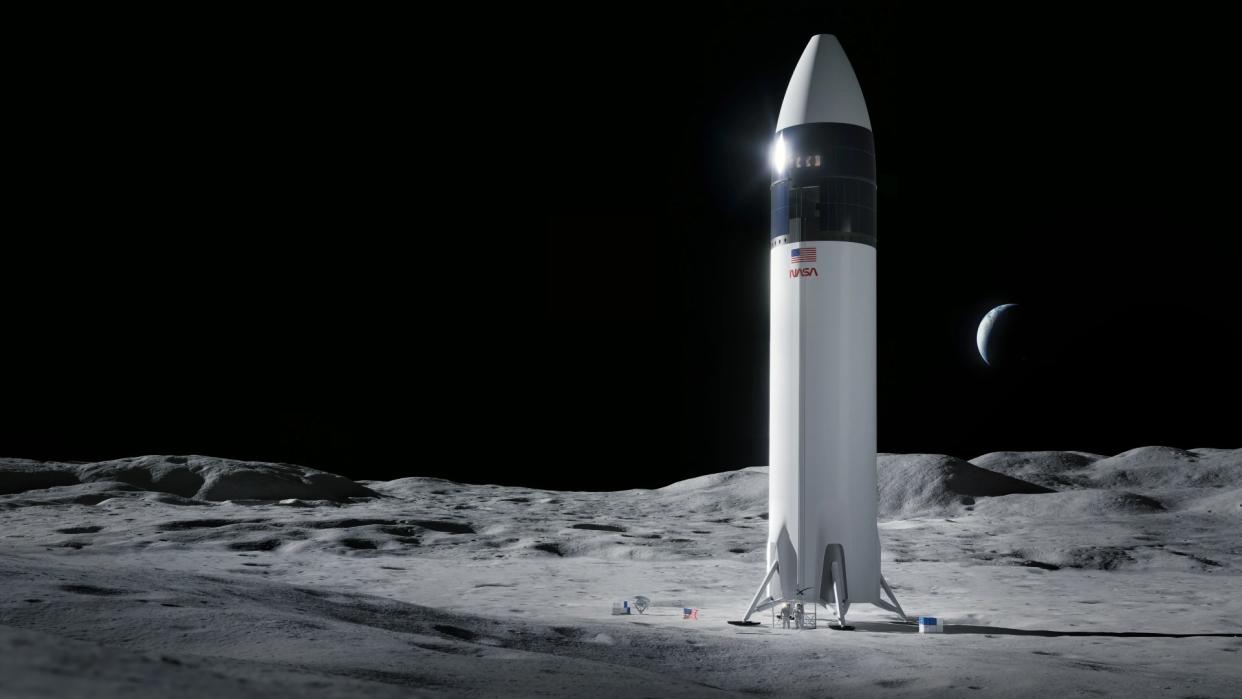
<point x="690" y="613"/>
<point x="800" y="255"/>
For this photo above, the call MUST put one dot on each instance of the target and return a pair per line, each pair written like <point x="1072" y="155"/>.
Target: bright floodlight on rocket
<point x="779" y="155"/>
<point x="823" y="537"/>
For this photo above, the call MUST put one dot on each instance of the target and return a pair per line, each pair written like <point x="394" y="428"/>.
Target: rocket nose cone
<point x="823" y="88"/>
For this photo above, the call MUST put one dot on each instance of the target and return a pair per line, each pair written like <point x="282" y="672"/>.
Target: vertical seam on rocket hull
<point x="797" y="581"/>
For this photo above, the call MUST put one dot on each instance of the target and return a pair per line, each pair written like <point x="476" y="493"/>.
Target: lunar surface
<point x="1056" y="574"/>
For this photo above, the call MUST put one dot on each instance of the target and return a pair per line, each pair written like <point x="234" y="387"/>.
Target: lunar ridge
<point x="201" y="576"/>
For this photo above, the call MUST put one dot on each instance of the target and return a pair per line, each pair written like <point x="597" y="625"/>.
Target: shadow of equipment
<point x="909" y="627"/>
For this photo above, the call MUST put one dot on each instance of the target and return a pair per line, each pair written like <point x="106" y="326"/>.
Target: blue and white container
<point x="929" y="624"/>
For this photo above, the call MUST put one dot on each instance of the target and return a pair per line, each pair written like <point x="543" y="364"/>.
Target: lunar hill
<point x="200" y="576"/>
<point x="198" y="477"/>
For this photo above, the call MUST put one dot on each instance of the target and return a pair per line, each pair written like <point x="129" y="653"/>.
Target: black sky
<point x="531" y="248"/>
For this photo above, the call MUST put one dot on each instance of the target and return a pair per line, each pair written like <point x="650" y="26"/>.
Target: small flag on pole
<point x="690" y="613"/>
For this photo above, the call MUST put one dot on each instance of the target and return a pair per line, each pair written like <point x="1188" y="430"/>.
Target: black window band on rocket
<point x="826" y="188"/>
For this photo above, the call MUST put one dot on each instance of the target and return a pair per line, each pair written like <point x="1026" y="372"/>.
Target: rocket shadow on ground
<point x="908" y="627"/>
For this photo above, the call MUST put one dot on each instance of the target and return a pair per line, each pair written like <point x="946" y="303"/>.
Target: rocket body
<point x="823" y="532"/>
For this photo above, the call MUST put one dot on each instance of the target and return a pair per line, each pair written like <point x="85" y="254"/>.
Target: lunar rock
<point x="1054" y="572"/>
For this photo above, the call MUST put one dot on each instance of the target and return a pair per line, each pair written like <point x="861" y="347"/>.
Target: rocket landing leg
<point x="755" y="605"/>
<point x="895" y="606"/>
<point x="840" y="603"/>
<point x="841" y="608"/>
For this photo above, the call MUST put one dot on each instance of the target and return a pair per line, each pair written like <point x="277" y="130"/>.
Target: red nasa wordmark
<point x="801" y="256"/>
